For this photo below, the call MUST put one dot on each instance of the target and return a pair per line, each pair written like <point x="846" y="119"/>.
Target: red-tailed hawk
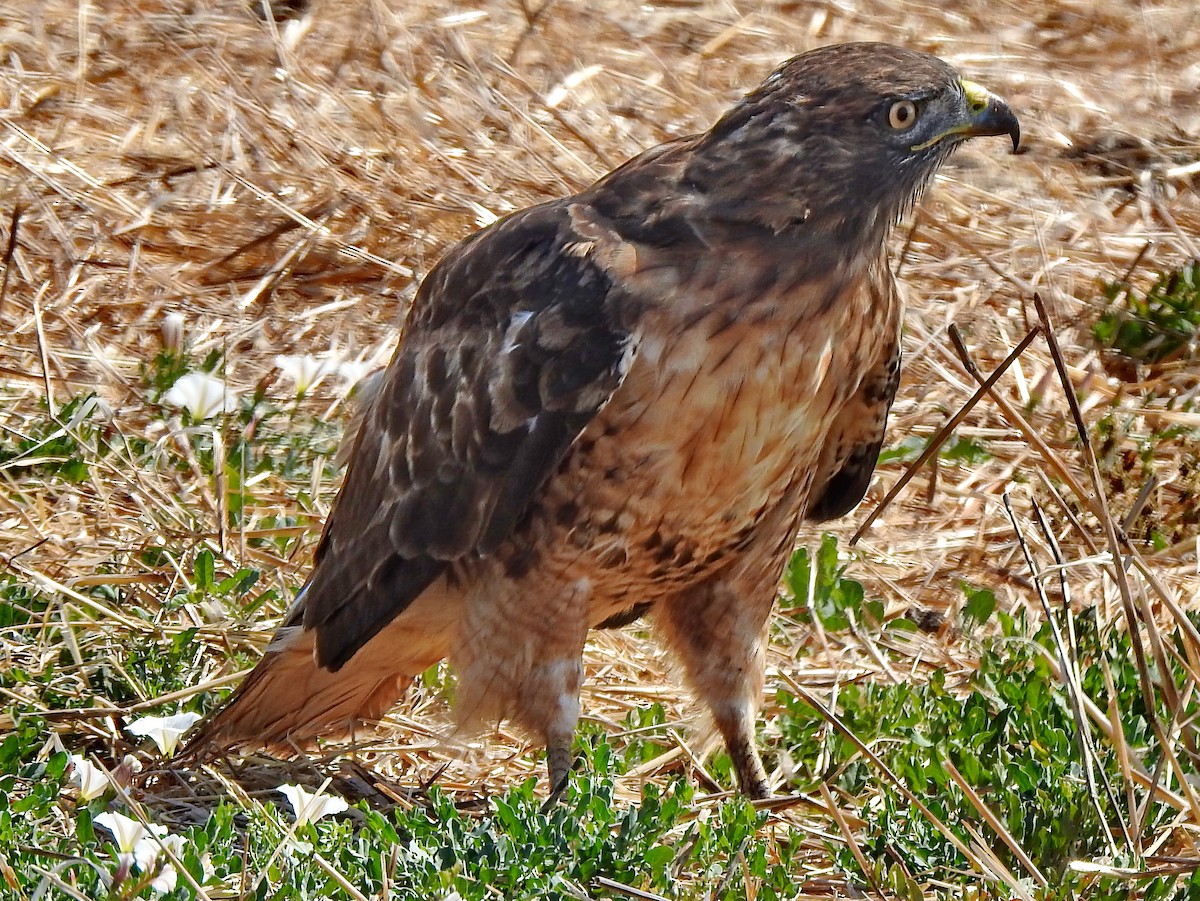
<point x="623" y="403"/>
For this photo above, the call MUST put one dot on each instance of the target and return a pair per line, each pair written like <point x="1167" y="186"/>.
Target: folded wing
<point x="512" y="346"/>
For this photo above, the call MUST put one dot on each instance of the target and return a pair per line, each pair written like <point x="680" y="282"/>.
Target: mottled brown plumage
<point x="623" y="403"/>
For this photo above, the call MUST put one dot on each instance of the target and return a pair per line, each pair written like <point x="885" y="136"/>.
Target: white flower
<point x="306" y="371"/>
<point x="202" y="395"/>
<point x="125" y="832"/>
<point x="311" y="806"/>
<point x="172" y="332"/>
<point x="165" y="730"/>
<point x="91" y="781"/>
<point x="165" y="881"/>
<point x="354" y="371"/>
<point x="124" y="771"/>
<point x="147" y="852"/>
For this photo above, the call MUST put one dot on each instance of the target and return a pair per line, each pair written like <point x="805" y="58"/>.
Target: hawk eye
<point x="902" y="115"/>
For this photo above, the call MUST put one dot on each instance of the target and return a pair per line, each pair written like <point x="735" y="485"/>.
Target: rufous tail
<point x="287" y="700"/>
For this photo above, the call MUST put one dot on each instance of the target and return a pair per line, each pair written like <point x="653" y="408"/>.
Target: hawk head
<point x="843" y="138"/>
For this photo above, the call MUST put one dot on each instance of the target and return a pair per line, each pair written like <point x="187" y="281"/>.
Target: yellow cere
<point x="977" y="95"/>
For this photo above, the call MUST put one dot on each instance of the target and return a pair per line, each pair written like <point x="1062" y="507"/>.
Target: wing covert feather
<point x="513" y="344"/>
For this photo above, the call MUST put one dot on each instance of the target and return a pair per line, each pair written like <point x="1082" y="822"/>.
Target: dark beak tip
<point x="1006" y="122"/>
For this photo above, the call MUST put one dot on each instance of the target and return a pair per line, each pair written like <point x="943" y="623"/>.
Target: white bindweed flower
<point x="147" y="854"/>
<point x="311" y="806"/>
<point x="172" y="332"/>
<point x="126" y="834"/>
<point x="146" y="851"/>
<point x="305" y="371"/>
<point x="124" y="771"/>
<point x="91" y="781"/>
<point x="164" y="730"/>
<point x="202" y="395"/>
<point x="354" y="371"/>
<point x="165" y="881"/>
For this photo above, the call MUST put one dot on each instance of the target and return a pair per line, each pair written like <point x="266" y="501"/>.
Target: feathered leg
<point x="719" y="630"/>
<point x="523" y="660"/>
<point x="719" y="634"/>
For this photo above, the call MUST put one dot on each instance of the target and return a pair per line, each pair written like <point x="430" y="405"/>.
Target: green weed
<point x="1155" y="326"/>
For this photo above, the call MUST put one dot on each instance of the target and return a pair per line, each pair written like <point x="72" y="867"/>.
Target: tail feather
<point x="287" y="700"/>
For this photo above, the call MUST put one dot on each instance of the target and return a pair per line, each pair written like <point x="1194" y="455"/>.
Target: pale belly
<point x="702" y="440"/>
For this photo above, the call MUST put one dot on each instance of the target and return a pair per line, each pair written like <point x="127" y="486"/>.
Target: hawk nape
<point x="623" y="403"/>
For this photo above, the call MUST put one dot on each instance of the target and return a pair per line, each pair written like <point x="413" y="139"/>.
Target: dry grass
<point x="285" y="187"/>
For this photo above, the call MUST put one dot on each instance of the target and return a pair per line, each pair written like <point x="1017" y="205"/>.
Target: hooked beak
<point x="987" y="115"/>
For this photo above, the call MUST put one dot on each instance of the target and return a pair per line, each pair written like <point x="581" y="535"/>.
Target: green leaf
<point x="84" y="831"/>
<point x="966" y="451"/>
<point x="203" y="570"/>
<point x="56" y="766"/>
<point x="905" y="451"/>
<point x="981" y="603"/>
<point x="659" y="856"/>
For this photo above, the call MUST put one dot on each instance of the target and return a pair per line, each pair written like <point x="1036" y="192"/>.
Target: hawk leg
<point x="718" y="633"/>
<point x="524" y="661"/>
<point x="550" y="707"/>
<point x="558" y="764"/>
